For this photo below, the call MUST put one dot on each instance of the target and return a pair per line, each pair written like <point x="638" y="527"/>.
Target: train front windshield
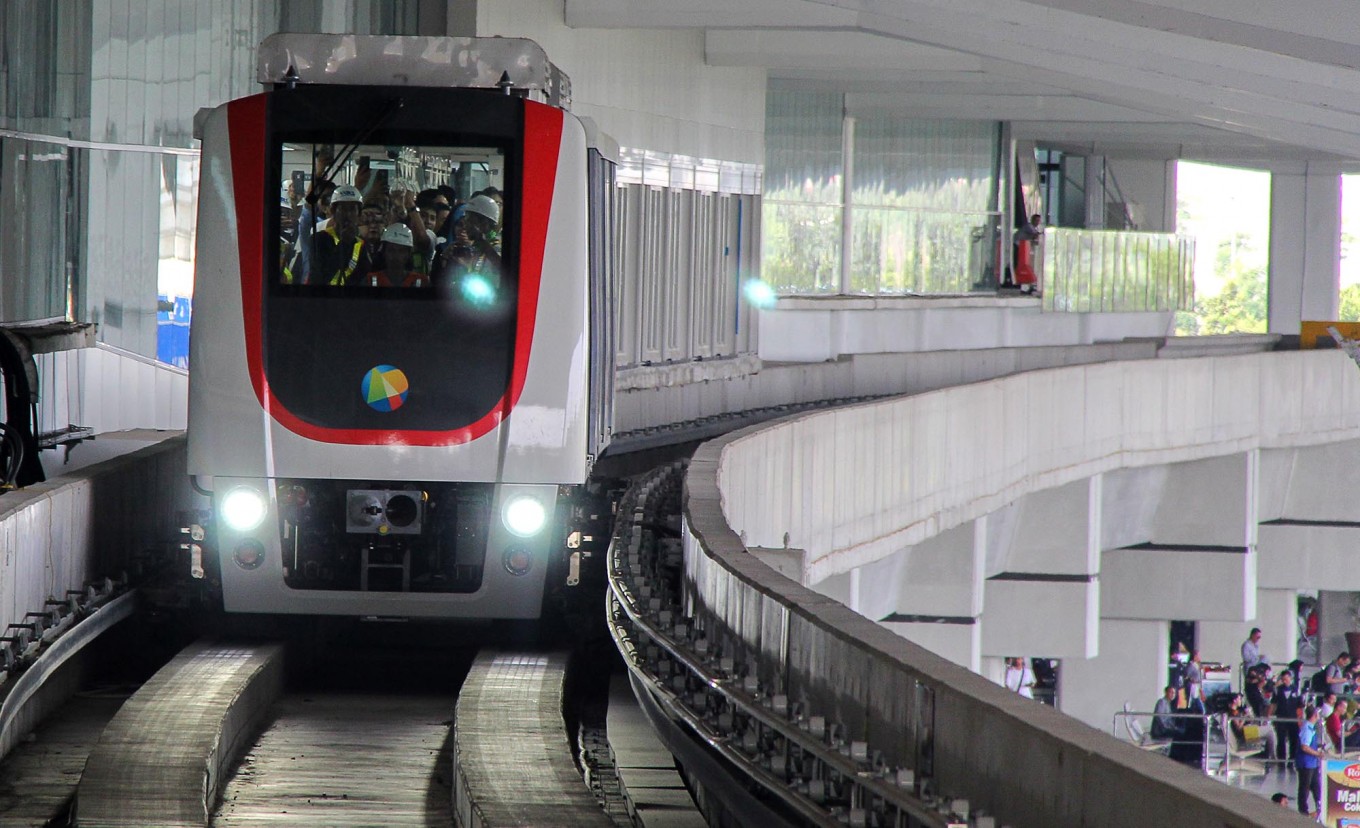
<point x="393" y="256"/>
<point x="404" y="217"/>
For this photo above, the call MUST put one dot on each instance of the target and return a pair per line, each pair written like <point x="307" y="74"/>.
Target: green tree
<point x="1243" y="303"/>
<point x="1350" y="304"/>
<point x="1239" y="308"/>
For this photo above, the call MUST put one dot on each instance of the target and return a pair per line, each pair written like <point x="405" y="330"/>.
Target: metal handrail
<point x="657" y="626"/>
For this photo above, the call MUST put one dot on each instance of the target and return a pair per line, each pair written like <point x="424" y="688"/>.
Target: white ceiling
<point x="1227" y="80"/>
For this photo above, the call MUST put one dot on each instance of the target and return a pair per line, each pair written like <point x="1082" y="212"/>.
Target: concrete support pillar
<point x="1131" y="666"/>
<point x="1305" y="246"/>
<point x="1043" y="553"/>
<point x="1199" y="562"/>
<point x="1336" y="617"/>
<point x="930" y="593"/>
<point x="1095" y="192"/>
<point x="1276" y="614"/>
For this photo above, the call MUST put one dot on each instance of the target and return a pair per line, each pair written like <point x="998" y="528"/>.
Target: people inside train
<point x="397" y="269"/>
<point x="475" y="247"/>
<point x="372" y="222"/>
<point x="312" y="217"/>
<point x="434" y="210"/>
<point x="336" y="250"/>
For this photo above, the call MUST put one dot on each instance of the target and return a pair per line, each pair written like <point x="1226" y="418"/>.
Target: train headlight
<point x="524" y="516"/>
<point x="243" y="509"/>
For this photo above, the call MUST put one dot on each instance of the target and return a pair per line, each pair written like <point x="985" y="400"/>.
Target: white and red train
<point x="376" y="449"/>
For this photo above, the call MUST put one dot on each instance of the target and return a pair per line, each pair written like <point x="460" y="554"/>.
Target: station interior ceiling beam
<point x="1195" y="78"/>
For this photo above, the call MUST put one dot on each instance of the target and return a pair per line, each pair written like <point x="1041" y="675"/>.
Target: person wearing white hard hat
<point x="397" y="242"/>
<point x="336" y="251"/>
<point x="476" y="248"/>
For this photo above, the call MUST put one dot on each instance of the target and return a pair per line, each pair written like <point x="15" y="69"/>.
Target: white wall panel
<point x="650" y="89"/>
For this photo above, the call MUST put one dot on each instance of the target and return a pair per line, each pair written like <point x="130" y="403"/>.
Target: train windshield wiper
<point x="393" y="106"/>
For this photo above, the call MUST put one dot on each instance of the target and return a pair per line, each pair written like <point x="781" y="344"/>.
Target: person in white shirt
<point x="1019" y="677"/>
<point x="1251" y="650"/>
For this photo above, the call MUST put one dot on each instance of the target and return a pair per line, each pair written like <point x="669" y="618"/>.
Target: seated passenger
<point x="336" y="251"/>
<point x="396" y="254"/>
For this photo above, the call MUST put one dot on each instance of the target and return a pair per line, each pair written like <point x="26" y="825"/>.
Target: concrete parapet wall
<point x="849" y="484"/>
<point x="649" y="398"/>
<point x="862" y="482"/>
<point x="57" y="535"/>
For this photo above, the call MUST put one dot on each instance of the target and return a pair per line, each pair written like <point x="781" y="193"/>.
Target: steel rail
<point x="847" y="763"/>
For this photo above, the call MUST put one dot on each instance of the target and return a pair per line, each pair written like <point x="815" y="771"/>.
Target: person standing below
<point x="1194" y="671"/>
<point x="1336" y="673"/>
<point x="1251" y="651"/>
<point x="1308" y="762"/>
<point x="1019" y="678"/>
<point x="1288" y="701"/>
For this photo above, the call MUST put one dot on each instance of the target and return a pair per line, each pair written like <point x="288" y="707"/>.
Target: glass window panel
<point x="915" y="251"/>
<point x="925" y="164"/>
<point x="803" y="146"/>
<point x="801" y="247"/>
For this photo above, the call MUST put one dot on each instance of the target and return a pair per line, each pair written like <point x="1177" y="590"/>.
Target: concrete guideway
<point x="512" y="763"/>
<point x="164" y="757"/>
<point x="860" y="483"/>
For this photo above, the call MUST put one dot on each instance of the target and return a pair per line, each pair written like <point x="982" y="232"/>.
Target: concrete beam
<point x="1170" y="582"/>
<point x="1297" y="555"/>
<point x="1049" y="617"/>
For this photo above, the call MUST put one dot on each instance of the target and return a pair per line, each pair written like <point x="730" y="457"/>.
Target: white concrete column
<point x="1131" y="666"/>
<point x="1276" y="613"/>
<point x="1336" y="617"/>
<point x="1042" y="598"/>
<point x="1305" y="246"/>
<point x="930" y="593"/>
<point x="1095" y="192"/>
<point x="1198" y="561"/>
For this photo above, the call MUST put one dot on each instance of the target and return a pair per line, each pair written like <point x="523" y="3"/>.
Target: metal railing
<point x="797" y="756"/>
<point x="1260" y="734"/>
<point x="1110" y="271"/>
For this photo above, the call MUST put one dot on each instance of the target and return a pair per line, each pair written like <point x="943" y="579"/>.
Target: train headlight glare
<point x="477" y="290"/>
<point x="243" y="509"/>
<point x="524" y="516"/>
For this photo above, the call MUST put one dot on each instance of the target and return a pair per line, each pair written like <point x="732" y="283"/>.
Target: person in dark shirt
<point x="1254" y="691"/>
<point x="1288" y="702"/>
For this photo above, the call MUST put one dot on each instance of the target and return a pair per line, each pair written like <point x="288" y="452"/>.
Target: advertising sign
<point x="1341" y="793"/>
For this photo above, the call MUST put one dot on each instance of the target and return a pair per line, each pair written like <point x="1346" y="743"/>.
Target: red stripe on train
<point x="246" y="121"/>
